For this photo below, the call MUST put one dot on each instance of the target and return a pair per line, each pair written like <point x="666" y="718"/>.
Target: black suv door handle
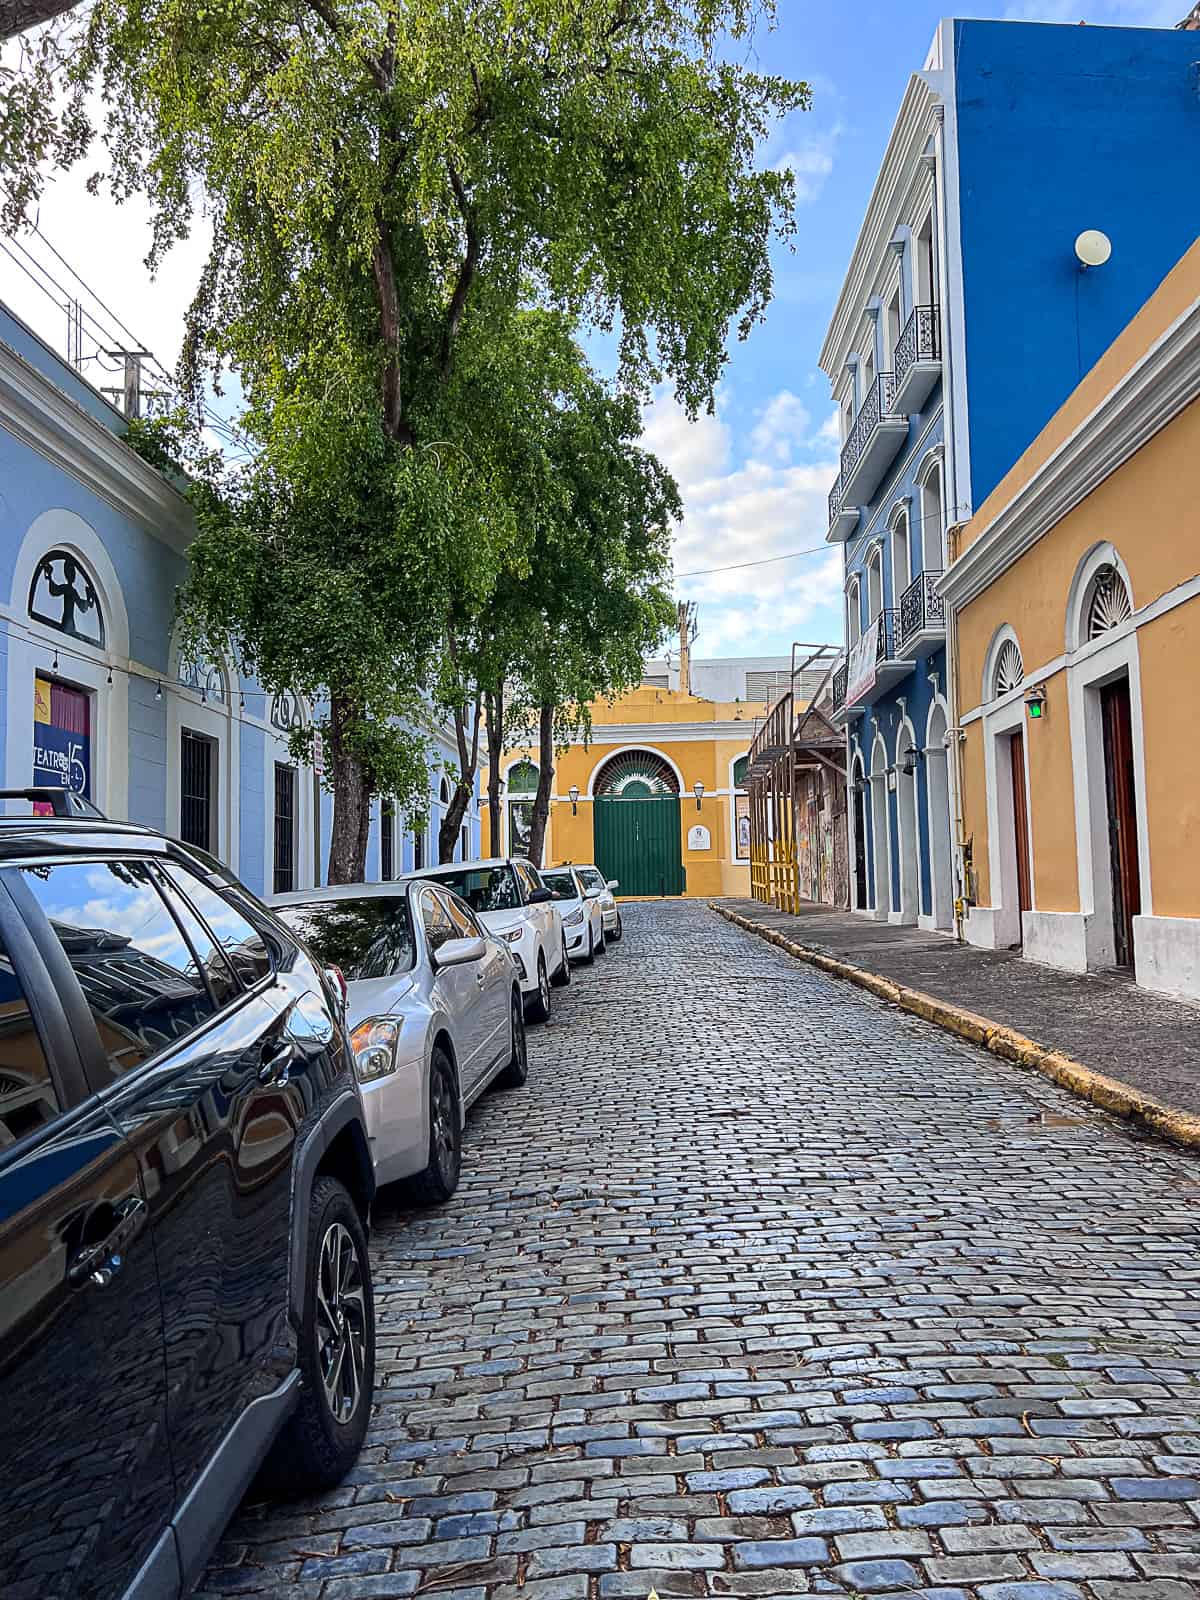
<point x="277" y="1062"/>
<point x="98" y="1263"/>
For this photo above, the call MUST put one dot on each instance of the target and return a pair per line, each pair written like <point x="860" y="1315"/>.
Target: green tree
<point x="388" y="184"/>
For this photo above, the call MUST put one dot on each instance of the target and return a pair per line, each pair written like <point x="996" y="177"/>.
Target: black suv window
<point x="139" y="975"/>
<point x="27" y="1097"/>
<point x="241" y="941"/>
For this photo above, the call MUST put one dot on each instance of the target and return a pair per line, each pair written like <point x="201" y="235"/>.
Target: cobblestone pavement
<point x="757" y="1288"/>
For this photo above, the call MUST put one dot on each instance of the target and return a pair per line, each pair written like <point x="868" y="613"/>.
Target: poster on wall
<point x="742" y="816"/>
<point x="861" y="674"/>
<point x="62" y="742"/>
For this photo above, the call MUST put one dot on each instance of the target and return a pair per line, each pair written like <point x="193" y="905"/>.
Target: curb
<point x="1110" y="1093"/>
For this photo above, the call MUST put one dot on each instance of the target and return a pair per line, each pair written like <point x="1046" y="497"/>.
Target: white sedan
<point x="433" y="1010"/>
<point x="511" y="901"/>
<point x="603" y="892"/>
<point x="583" y="920"/>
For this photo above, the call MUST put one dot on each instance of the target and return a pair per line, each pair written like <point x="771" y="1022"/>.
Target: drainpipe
<point x="957" y="737"/>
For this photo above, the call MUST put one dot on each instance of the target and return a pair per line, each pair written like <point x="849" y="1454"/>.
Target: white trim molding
<point x="1144" y="400"/>
<point x="38" y="414"/>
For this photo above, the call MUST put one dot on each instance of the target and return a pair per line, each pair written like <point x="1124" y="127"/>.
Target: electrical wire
<point x="765" y="561"/>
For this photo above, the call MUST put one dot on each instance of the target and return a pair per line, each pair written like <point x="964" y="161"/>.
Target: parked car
<point x="435" y="1015"/>
<point x="603" y="890"/>
<point x="185" y="1186"/>
<point x="511" y="901"/>
<point x="583" y="920"/>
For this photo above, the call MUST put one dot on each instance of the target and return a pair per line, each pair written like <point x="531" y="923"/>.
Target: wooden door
<point x="860" y="850"/>
<point x="1122" y="815"/>
<point x="1016" y="747"/>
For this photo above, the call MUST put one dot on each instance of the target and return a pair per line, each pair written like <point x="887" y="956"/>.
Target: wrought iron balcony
<point x="843" y="517"/>
<point x="918" y="360"/>
<point x="872" y="444"/>
<point x="839" y="685"/>
<point x="922" y="616"/>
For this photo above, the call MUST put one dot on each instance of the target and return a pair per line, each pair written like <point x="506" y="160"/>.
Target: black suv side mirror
<point x="539" y="897"/>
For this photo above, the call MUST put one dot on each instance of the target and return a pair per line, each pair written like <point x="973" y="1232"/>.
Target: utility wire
<point x="765" y="561"/>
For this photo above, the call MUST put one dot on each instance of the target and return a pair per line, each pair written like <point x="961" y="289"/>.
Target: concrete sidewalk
<point x="1103" y="1022"/>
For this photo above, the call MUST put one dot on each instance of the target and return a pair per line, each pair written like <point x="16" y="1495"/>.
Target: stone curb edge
<point x="1110" y="1093"/>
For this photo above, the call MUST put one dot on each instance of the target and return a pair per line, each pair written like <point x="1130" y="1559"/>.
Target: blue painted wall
<point x="1062" y="128"/>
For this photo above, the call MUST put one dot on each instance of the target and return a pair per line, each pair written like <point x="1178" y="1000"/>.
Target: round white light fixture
<point x="1093" y="248"/>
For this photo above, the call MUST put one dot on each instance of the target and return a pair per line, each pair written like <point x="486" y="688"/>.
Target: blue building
<point x="965" y="319"/>
<point x="93" y="546"/>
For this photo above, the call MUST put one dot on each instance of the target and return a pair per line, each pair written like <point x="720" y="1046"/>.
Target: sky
<point x="755" y="474"/>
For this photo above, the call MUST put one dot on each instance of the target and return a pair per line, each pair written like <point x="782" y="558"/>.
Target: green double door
<point x="638" y="843"/>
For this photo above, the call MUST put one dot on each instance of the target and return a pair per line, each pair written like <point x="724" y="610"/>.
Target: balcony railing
<point x="872" y="443"/>
<point x="918" y="357"/>
<point x="922" y="610"/>
<point x="885" y="637"/>
<point x="839" y="685"/>
<point x="843" y="514"/>
<point x="835" y="500"/>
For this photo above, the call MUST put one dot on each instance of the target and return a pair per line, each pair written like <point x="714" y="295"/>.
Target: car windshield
<point x="485" y="888"/>
<point x="367" y="938"/>
<point x="593" y="881"/>
<point x="560" y="883"/>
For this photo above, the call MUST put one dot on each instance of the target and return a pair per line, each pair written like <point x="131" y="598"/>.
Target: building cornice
<point x="38" y="414"/>
<point x="1144" y="400"/>
<point x="604" y="734"/>
<point x="901" y="163"/>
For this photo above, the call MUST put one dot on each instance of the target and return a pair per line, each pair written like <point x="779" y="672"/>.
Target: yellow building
<point x="1076" y="636"/>
<point x="658" y="801"/>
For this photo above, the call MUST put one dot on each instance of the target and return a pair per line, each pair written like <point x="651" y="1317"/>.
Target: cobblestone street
<point x="759" y="1287"/>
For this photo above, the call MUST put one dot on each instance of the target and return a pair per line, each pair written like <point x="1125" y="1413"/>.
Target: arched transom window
<point x="522" y="778"/>
<point x="1108" y="603"/>
<point x="204" y="678"/>
<point x="62" y="596"/>
<point x="635" y="775"/>
<point x="1009" y="669"/>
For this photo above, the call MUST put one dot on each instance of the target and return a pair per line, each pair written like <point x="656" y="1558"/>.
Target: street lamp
<point x="698" y="791"/>
<point x="1035" y="702"/>
<point x="573" y="796"/>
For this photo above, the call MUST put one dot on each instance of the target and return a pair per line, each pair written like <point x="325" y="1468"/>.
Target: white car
<point x="433" y="1010"/>
<point x="583" y="920"/>
<point x="603" y="891"/>
<point x="511" y="901"/>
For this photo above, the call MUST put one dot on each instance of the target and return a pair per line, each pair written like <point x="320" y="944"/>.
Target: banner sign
<point x="62" y="745"/>
<point x="860" y="676"/>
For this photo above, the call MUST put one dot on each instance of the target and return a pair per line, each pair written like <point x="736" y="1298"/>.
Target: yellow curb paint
<point x="1110" y="1093"/>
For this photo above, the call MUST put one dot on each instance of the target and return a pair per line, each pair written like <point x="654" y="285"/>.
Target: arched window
<point x="62" y="596"/>
<point x="853" y="612"/>
<point x="902" y="562"/>
<point x="635" y="775"/>
<point x="875" y="584"/>
<point x="286" y="714"/>
<point x="444" y="791"/>
<point x="205" y="678"/>
<point x="931" y="532"/>
<point x="1108" y="602"/>
<point x="522" y="778"/>
<point x="740" y="768"/>
<point x="1009" y="670"/>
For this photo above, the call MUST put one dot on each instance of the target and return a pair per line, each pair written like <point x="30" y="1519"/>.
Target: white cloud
<point x="749" y="510"/>
<point x="783" y="424"/>
<point x="1115" y="13"/>
<point x="809" y="158"/>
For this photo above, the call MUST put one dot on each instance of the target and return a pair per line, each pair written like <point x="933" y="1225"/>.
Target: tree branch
<point x="379" y="76"/>
<point x="466" y="272"/>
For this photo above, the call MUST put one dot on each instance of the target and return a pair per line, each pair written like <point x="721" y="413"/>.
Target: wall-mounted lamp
<point x="909" y="765"/>
<point x="698" y="791"/>
<point x="1035" y="702"/>
<point x="891" y="778"/>
<point x="573" y="796"/>
<point x="1092" y="248"/>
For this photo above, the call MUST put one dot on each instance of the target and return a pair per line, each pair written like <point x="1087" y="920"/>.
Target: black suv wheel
<point x="337" y="1349"/>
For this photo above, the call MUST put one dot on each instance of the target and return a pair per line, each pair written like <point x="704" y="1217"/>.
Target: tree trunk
<point x="452" y="822"/>
<point x="495" y="733"/>
<point x="351" y="801"/>
<point x="541" y="804"/>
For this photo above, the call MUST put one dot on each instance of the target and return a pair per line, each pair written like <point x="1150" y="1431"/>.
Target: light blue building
<point x="965" y="320"/>
<point x="93" y="545"/>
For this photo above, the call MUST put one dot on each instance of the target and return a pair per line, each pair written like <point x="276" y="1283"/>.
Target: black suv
<point x="185" y="1183"/>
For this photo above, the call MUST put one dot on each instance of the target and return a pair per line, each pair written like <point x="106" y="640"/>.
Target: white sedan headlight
<point x="513" y="935"/>
<point x="575" y="918"/>
<point x="374" y="1043"/>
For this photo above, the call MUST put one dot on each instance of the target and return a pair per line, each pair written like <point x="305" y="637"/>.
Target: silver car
<point x="434" y="1012"/>
<point x="603" y="892"/>
<point x="583" y="920"/>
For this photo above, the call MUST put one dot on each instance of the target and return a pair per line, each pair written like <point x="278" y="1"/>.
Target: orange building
<point x="656" y="797"/>
<point x="1075" y="639"/>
